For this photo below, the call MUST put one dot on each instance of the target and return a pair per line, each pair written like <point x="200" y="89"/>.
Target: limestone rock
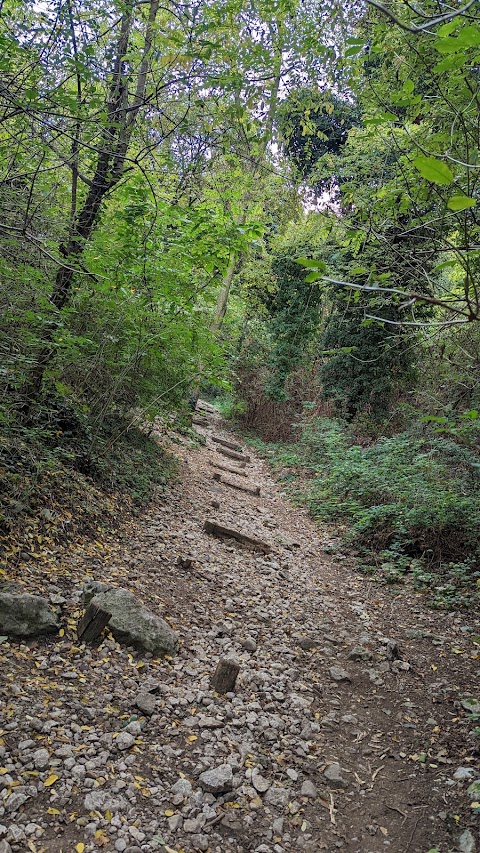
<point x="132" y="623"/>
<point x="145" y="702"/>
<point x="218" y="780"/>
<point x="182" y="787"/>
<point x="102" y="801"/>
<point x="24" y="615"/>
<point x="277" y="796"/>
<point x="464" y="774"/>
<point x="466" y="842"/>
<point x="124" y="740"/>
<point x="339" y="674"/>
<point x="334" y="775"/>
<point x="260" y="783"/>
<point x="308" y="790"/>
<point x="41" y="759"/>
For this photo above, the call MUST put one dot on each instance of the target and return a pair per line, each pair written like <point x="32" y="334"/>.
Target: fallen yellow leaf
<point x="51" y="780"/>
<point x="80" y="847"/>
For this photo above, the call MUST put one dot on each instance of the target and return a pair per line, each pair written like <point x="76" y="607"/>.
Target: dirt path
<point x="345" y="730"/>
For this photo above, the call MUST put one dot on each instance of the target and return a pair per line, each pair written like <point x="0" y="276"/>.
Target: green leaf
<point x="469" y="36"/>
<point x="433" y="170"/>
<point x="449" y="63"/>
<point x="314" y="276"/>
<point x="447" y="29"/>
<point x="408" y="87"/>
<point x="444" y="265"/>
<point x="461" y="202"/>
<point x="472" y="414"/>
<point x="448" y="45"/>
<point x="354" y="51"/>
<point x="308" y="262"/>
<point x="381" y="119"/>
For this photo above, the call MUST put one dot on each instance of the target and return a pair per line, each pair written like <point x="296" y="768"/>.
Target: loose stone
<point x="339" y="674"/>
<point x="308" y="789"/>
<point x="218" y="780"/>
<point x="334" y="775"/>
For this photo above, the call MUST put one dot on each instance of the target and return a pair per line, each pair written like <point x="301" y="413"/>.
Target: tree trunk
<point x="222" y="300"/>
<point x="111" y="157"/>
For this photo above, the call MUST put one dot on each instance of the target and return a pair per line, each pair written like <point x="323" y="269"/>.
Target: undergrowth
<point x="410" y="503"/>
<point x="59" y="480"/>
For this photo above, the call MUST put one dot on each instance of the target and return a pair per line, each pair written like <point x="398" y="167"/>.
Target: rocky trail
<point x="349" y="725"/>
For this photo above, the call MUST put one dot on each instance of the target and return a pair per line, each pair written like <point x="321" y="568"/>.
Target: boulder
<point x="24" y="615"/>
<point x="131" y="622"/>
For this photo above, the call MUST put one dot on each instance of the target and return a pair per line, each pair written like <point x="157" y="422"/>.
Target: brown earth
<point x="389" y="713"/>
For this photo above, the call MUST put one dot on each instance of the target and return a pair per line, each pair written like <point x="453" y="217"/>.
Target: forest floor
<point x="346" y="730"/>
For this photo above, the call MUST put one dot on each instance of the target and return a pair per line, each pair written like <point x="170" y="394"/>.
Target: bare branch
<point x="430" y="22"/>
<point x="416" y="297"/>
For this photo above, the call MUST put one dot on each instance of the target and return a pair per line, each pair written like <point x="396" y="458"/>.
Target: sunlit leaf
<point x="461" y="202"/>
<point x="433" y="170"/>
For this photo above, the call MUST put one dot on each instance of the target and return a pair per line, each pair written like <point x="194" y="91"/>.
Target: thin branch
<point x="430" y="22"/>
<point x="418" y="297"/>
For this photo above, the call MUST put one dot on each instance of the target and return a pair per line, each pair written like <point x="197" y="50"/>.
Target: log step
<point x="228" y="469"/>
<point x="199" y="421"/>
<point x="92" y="623"/>
<point x="220" y="531"/>
<point x="232" y="445"/>
<point x="203" y="406"/>
<point x="224" y="678"/>
<point x="242" y="487"/>
<point x="232" y="454"/>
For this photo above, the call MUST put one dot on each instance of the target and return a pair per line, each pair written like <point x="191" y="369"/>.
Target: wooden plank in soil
<point x="224" y="678"/>
<point x="242" y="487"/>
<point x="232" y="454"/>
<point x="228" y="469"/>
<point x="199" y="421"/>
<point x="220" y="531"/>
<point x="203" y="406"/>
<point x="232" y="445"/>
<point x="92" y="623"/>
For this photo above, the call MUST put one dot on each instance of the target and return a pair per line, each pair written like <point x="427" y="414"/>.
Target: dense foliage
<point x="274" y="197"/>
<point x="410" y="502"/>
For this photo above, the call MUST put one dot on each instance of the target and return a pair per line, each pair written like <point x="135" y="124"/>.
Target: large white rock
<point x="132" y="623"/>
<point x="24" y="615"/>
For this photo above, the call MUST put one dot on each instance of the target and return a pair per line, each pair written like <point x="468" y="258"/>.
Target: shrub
<point x="417" y="492"/>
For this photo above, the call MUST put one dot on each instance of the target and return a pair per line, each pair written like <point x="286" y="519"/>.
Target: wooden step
<point x="221" y="532"/>
<point x="232" y="454"/>
<point x="228" y="468"/>
<point x="232" y="445"/>
<point x="242" y="487"/>
<point x="203" y="406"/>
<point x="199" y="421"/>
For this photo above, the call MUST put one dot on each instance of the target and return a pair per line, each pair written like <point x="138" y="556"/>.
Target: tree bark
<point x="109" y="166"/>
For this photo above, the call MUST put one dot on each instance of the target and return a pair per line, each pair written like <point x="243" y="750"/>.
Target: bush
<point x="419" y="493"/>
<point x="411" y="503"/>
